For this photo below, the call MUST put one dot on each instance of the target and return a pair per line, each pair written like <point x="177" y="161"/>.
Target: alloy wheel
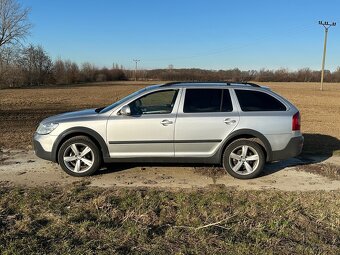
<point x="244" y="160"/>
<point x="78" y="157"/>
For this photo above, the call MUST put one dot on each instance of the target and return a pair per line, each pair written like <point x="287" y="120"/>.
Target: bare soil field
<point x="22" y="109"/>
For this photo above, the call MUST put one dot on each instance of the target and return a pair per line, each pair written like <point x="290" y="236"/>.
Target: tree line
<point x="262" y="75"/>
<point x="23" y="66"/>
<point x="32" y="66"/>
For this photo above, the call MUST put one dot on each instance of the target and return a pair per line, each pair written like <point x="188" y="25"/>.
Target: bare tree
<point x="72" y="72"/>
<point x="14" y="23"/>
<point x="10" y="75"/>
<point x="88" y="72"/>
<point x="36" y="65"/>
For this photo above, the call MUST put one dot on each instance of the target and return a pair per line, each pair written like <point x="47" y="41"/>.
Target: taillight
<point x="296" y="126"/>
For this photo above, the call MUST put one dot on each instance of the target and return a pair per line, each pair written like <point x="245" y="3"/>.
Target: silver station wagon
<point x="238" y="125"/>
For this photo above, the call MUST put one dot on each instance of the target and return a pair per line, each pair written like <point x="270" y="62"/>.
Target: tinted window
<point x="258" y="101"/>
<point x="207" y="100"/>
<point x="159" y="102"/>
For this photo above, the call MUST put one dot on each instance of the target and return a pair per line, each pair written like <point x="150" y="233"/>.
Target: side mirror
<point x="125" y="110"/>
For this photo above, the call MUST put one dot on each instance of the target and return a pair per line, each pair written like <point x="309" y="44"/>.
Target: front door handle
<point x="229" y="121"/>
<point x="166" y="122"/>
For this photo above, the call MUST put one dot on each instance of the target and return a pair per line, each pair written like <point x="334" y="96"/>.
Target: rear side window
<point x="251" y="101"/>
<point x="207" y="100"/>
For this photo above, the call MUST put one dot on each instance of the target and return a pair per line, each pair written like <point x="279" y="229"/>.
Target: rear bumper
<point x="293" y="149"/>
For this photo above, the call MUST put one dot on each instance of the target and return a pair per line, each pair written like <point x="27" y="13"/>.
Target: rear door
<point x="205" y="117"/>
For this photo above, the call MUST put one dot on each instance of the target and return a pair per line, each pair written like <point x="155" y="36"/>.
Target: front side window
<point x="207" y="100"/>
<point x="251" y="101"/>
<point x="159" y="102"/>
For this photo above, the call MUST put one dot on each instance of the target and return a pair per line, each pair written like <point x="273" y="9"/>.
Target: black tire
<point x="83" y="168"/>
<point x="240" y="162"/>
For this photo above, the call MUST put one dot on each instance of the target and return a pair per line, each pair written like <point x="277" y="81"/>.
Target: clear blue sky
<point x="204" y="34"/>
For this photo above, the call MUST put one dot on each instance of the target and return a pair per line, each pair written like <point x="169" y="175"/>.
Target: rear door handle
<point x="166" y="122"/>
<point x="229" y="121"/>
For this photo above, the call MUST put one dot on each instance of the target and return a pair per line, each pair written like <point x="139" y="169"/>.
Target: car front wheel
<point x="243" y="159"/>
<point x="79" y="156"/>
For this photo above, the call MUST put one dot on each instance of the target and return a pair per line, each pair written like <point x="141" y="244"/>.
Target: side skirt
<point x="207" y="160"/>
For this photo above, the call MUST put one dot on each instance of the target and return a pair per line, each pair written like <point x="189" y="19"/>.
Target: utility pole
<point x="326" y="25"/>
<point x="136" y="61"/>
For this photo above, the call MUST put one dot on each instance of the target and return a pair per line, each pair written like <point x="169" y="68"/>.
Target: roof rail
<point x="220" y="82"/>
<point x="250" y="83"/>
<point x="172" y="83"/>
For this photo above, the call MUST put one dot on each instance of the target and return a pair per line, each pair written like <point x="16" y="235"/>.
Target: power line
<point x="136" y="61"/>
<point x="326" y="25"/>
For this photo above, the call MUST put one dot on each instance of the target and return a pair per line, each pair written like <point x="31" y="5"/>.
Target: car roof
<point x="210" y="84"/>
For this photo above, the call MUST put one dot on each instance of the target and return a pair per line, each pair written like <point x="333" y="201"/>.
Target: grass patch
<point x="328" y="170"/>
<point x="79" y="219"/>
<point x="214" y="172"/>
<point x="336" y="153"/>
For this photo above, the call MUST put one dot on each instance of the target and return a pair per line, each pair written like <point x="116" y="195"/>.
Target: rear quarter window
<point x="251" y="101"/>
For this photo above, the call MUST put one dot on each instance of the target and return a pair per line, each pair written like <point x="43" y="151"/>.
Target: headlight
<point x="46" y="128"/>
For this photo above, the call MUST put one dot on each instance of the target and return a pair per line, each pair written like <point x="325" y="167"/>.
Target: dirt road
<point x="23" y="167"/>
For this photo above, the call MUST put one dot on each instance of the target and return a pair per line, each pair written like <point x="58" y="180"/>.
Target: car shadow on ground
<point x="323" y="145"/>
<point x="317" y="148"/>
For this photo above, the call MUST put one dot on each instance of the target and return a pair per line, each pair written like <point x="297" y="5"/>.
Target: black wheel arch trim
<point x="248" y="132"/>
<point x="80" y="131"/>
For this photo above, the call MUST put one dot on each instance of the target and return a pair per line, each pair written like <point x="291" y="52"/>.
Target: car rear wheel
<point x="79" y="156"/>
<point x="243" y="159"/>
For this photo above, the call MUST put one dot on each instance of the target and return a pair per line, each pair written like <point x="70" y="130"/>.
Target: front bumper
<point x="43" y="146"/>
<point x="293" y="149"/>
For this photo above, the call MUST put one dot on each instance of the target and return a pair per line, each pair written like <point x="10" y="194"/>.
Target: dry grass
<point x="82" y="220"/>
<point x="328" y="170"/>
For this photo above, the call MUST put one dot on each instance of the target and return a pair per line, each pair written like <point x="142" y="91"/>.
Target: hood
<point x="64" y="117"/>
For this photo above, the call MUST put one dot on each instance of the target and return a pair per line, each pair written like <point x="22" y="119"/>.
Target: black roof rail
<point x="172" y="83"/>
<point x="228" y="83"/>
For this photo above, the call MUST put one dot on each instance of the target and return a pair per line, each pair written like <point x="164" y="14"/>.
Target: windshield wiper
<point x="99" y="109"/>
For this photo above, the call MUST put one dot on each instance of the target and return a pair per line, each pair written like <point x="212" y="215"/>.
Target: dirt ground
<point x="22" y="167"/>
<point x="22" y="109"/>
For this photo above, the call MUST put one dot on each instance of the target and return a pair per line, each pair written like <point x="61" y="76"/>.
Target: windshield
<point x="110" y="107"/>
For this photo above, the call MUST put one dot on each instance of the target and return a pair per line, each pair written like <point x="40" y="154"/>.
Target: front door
<point x="149" y="130"/>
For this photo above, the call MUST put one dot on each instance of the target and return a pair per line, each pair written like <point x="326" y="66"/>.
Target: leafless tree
<point x="72" y="72"/>
<point x="14" y="23"/>
<point x="36" y="65"/>
<point x="88" y="72"/>
<point x="10" y="74"/>
<point x="59" y="72"/>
